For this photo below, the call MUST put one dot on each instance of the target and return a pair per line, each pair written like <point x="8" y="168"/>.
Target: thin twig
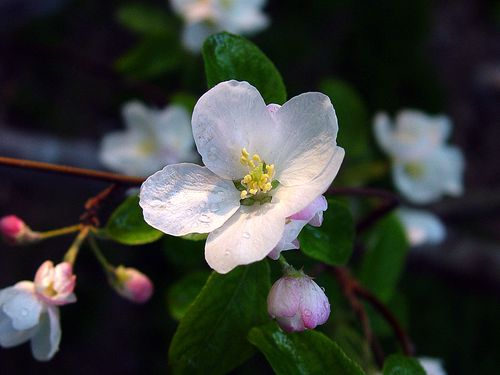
<point x="92" y="206"/>
<point x="391" y="201"/>
<point x="71" y="171"/>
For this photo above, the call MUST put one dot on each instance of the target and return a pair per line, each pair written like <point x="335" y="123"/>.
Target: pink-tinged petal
<point x="295" y="198"/>
<point x="133" y="284"/>
<point x="288" y="240"/>
<point x="247" y="237"/>
<point x="187" y="198"/>
<point x="55" y="285"/>
<point x="273" y="108"/>
<point x="311" y="212"/>
<point x="314" y="307"/>
<point x="284" y="298"/>
<point x="231" y="116"/>
<point x="45" y="343"/>
<point x="11" y="226"/>
<point x="307" y="127"/>
<point x="293" y="324"/>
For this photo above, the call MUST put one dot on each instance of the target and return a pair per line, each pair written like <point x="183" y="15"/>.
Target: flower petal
<point x="284" y="297"/>
<point x="314" y="307"/>
<point x="310" y="212"/>
<point x="195" y="33"/>
<point x="45" y="343"/>
<point x="248" y="236"/>
<point x="288" y="240"/>
<point x="229" y="117"/>
<point x="187" y="198"/>
<point x="307" y="127"/>
<point x="296" y="198"/>
<point x="23" y="307"/>
<point x="422" y="226"/>
<point x="9" y="336"/>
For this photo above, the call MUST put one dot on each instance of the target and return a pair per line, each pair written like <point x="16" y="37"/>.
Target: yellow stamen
<point x="259" y="178"/>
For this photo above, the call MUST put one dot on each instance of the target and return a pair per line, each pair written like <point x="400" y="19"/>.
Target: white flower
<point x="312" y="215"/>
<point x="262" y="166"/>
<point x="424" y="167"/>
<point x="421" y="226"/>
<point x="153" y="139"/>
<point x="206" y="17"/>
<point x="432" y="366"/>
<point x="29" y="311"/>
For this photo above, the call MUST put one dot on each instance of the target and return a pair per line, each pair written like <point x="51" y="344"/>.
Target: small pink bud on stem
<point x="55" y="284"/>
<point x="14" y="231"/>
<point x="297" y="302"/>
<point x="132" y="284"/>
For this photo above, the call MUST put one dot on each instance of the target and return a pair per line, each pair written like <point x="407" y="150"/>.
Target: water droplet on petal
<point x="156" y="203"/>
<point x="227" y="253"/>
<point x="214" y="207"/>
<point x="307" y="313"/>
<point x="323" y="289"/>
<point x="246" y="235"/>
<point x="24" y="312"/>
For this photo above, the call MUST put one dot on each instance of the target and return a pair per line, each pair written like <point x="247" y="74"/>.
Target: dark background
<point x="60" y="92"/>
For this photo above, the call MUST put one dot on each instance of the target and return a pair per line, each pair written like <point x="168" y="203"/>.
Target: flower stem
<point x="73" y="250"/>
<point x="60" y="231"/>
<point x="108" y="267"/>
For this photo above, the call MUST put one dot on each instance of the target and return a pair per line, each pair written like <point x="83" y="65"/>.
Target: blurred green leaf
<point x="126" y="225"/>
<point x="182" y="293"/>
<point x="211" y="338"/>
<point x="151" y="57"/>
<point x="383" y="262"/>
<point x="144" y="19"/>
<point x="184" y="99"/>
<point x="354" y="124"/>
<point x="308" y="352"/>
<point x="397" y="364"/>
<point x="331" y="243"/>
<point x="230" y="56"/>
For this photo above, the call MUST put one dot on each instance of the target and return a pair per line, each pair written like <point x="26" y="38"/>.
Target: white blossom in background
<point x="203" y="18"/>
<point x="153" y="139"/>
<point x="422" y="227"/>
<point x="29" y="310"/>
<point x="424" y="168"/>
<point x="263" y="164"/>
<point x="432" y="366"/>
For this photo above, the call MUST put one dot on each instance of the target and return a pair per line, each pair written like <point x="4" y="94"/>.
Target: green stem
<point x="60" y="231"/>
<point x="108" y="267"/>
<point x="73" y="250"/>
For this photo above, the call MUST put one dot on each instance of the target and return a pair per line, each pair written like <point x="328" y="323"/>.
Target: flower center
<point x="256" y="185"/>
<point x="414" y="170"/>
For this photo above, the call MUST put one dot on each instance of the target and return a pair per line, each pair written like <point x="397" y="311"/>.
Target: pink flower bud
<point x="133" y="285"/>
<point x="297" y="303"/>
<point x="55" y="285"/>
<point x="14" y="231"/>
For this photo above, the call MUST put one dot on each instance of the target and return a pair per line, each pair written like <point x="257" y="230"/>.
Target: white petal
<point x="288" y="240"/>
<point x="248" y="236"/>
<point x="23" y="308"/>
<point x="227" y="118"/>
<point x="296" y="198"/>
<point x="383" y="131"/>
<point x="45" y="343"/>
<point x="195" y="33"/>
<point x="432" y="366"/>
<point x="137" y="117"/>
<point x="187" y="198"/>
<point x="9" y="336"/>
<point x="307" y="127"/>
<point x="422" y="226"/>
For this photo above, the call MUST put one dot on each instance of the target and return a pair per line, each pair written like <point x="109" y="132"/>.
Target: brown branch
<point x="391" y="201"/>
<point x="93" y="204"/>
<point x="71" y="171"/>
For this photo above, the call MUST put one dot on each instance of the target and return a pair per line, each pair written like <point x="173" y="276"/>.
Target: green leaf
<point x="331" y="243"/>
<point x="182" y="293"/>
<point x="144" y="19"/>
<point x="354" y="124"/>
<point x="126" y="225"/>
<point x="230" y="56"/>
<point x="308" y="352"/>
<point x="397" y="364"/>
<point x="188" y="101"/>
<point x="195" y="236"/>
<point x="383" y="262"/>
<point x="211" y="337"/>
<point x="151" y="57"/>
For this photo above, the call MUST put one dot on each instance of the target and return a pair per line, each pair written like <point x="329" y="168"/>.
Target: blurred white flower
<point x="29" y="311"/>
<point x="432" y="366"/>
<point x="153" y="139"/>
<point x="421" y="226"/>
<point x="206" y="17"/>
<point x="424" y="167"/>
<point x="243" y="198"/>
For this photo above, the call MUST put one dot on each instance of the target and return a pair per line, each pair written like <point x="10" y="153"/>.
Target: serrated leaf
<point x="383" y="261"/>
<point x="331" y="243"/>
<point x="304" y="353"/>
<point x="126" y="225"/>
<point x="397" y="364"/>
<point x="211" y="337"/>
<point x="228" y="56"/>
<point x="182" y="293"/>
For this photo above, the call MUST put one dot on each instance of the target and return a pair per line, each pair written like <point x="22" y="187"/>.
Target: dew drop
<point x="156" y="203"/>
<point x="24" y="312"/>
<point x="323" y="289"/>
<point x="307" y="313"/>
<point x="246" y="235"/>
<point x="214" y="207"/>
<point x="227" y="253"/>
<point x="204" y="218"/>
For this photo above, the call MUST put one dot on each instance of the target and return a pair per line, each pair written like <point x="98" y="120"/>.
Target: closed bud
<point x="297" y="302"/>
<point x="54" y="285"/>
<point x="132" y="284"/>
<point x="14" y="231"/>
